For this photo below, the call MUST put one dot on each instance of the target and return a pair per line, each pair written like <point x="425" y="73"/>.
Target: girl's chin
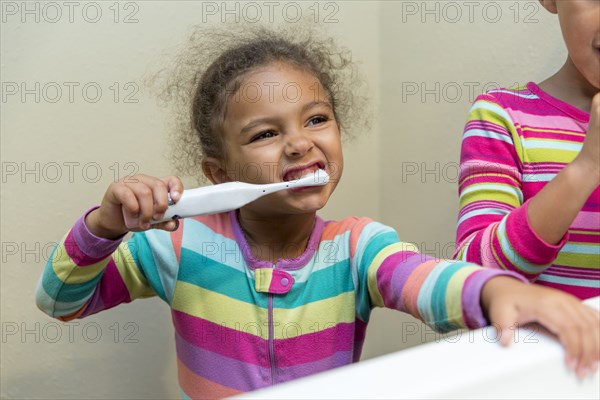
<point x="309" y="206"/>
<point x="292" y="208"/>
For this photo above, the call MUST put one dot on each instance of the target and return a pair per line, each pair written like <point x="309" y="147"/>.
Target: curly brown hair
<point x="211" y="68"/>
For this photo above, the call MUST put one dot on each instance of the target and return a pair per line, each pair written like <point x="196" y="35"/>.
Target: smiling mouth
<point x="298" y="172"/>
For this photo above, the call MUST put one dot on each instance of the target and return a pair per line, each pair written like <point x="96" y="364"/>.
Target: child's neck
<point x="277" y="238"/>
<point x="570" y="86"/>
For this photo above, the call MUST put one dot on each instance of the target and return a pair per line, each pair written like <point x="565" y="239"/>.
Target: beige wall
<point x="58" y="157"/>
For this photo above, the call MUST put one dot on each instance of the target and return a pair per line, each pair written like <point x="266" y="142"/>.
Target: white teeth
<point x="318" y="176"/>
<point x="294" y="176"/>
<point x="314" y="170"/>
<point x="307" y="173"/>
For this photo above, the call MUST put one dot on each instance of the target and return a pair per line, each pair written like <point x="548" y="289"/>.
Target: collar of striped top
<point x="283" y="263"/>
<point x="567" y="108"/>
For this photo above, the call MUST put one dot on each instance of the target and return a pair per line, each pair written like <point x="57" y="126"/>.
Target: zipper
<point x="271" y="340"/>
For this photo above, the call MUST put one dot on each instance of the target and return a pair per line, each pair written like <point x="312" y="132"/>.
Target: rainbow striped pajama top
<point x="242" y="324"/>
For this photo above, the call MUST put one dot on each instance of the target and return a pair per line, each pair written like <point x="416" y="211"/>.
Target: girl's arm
<point x="496" y="227"/>
<point x="91" y="270"/>
<point x="447" y="295"/>
<point x="87" y="274"/>
<point x="552" y="211"/>
<point x="444" y="294"/>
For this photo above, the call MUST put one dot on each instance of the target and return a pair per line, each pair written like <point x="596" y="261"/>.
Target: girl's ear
<point x="213" y="170"/>
<point x="550" y="5"/>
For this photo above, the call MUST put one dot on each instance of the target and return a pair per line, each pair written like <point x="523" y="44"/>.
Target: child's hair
<point x="211" y="68"/>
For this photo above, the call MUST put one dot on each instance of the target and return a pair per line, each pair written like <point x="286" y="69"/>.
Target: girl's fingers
<point x="590" y="322"/>
<point x="570" y="335"/>
<point x="133" y="202"/>
<point x="174" y="186"/>
<point x="503" y="320"/>
<point x="144" y="196"/>
<point x="558" y="319"/>
<point x="585" y="322"/>
<point x="594" y="316"/>
<point x="578" y="330"/>
<point x="141" y="186"/>
<point x="164" y="188"/>
<point x="575" y="325"/>
<point x="152" y="195"/>
<point x="129" y="204"/>
<point x="160" y="198"/>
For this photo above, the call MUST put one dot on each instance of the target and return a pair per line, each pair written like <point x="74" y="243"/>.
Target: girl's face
<point x="278" y="127"/>
<point x="580" y="25"/>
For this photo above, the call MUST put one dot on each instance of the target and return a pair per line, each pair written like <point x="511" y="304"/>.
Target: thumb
<point x="175" y="187"/>
<point x="170" y="226"/>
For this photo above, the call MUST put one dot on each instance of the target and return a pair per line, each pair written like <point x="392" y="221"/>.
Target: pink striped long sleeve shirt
<point x="515" y="142"/>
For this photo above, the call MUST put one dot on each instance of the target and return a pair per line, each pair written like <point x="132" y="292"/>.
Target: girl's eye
<point x="319" y="119"/>
<point x="263" y="135"/>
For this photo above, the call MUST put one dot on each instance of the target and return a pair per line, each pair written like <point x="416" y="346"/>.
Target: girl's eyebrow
<point x="315" y="103"/>
<point x="252" y="124"/>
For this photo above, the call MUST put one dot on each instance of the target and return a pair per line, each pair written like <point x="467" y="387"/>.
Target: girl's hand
<point x="130" y="204"/>
<point x="589" y="157"/>
<point x="511" y="303"/>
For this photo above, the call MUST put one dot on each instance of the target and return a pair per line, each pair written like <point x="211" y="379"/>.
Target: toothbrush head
<point x="318" y="178"/>
<point x="321" y="177"/>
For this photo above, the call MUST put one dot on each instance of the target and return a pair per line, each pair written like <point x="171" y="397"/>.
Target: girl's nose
<point x="297" y="144"/>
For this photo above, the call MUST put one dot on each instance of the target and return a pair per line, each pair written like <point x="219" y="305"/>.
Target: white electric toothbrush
<point x="232" y="195"/>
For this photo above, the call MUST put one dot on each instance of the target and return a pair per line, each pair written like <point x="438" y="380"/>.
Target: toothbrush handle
<point x="211" y="200"/>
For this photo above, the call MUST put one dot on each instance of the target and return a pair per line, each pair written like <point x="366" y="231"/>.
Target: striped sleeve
<point x="444" y="294"/>
<point x="493" y="229"/>
<point x="86" y="274"/>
